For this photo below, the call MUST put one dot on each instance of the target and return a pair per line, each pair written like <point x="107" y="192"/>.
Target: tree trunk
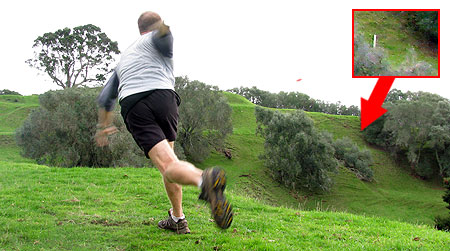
<point x="441" y="170"/>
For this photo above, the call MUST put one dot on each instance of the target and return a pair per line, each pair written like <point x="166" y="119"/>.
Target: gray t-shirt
<point x="146" y="65"/>
<point x="143" y="67"/>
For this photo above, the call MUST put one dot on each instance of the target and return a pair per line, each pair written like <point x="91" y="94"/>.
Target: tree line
<point x="293" y="100"/>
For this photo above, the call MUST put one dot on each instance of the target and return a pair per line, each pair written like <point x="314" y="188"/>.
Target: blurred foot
<point x="213" y="185"/>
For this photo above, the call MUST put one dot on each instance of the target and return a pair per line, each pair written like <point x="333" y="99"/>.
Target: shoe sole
<point x="221" y="208"/>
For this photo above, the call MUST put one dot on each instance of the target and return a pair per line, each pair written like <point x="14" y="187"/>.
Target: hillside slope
<point x="395" y="194"/>
<point x="13" y="110"/>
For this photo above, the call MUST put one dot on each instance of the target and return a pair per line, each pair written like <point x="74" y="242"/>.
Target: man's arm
<point x="107" y="101"/>
<point x="163" y="40"/>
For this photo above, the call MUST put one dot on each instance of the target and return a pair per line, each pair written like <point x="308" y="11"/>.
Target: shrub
<point x="412" y="67"/>
<point x="9" y="92"/>
<point x="443" y="223"/>
<point x="358" y="161"/>
<point x="425" y="22"/>
<point x="369" y="61"/>
<point x="205" y="118"/>
<point x="374" y="133"/>
<point x="61" y="133"/>
<point x="295" y="153"/>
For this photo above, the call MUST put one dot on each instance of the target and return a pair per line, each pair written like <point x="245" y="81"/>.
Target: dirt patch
<point x="108" y="223"/>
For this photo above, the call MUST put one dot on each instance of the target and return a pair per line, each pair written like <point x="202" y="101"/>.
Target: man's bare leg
<point x="175" y="173"/>
<point x="184" y="173"/>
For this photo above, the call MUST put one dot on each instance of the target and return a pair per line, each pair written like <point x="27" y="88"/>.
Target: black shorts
<point x="153" y="119"/>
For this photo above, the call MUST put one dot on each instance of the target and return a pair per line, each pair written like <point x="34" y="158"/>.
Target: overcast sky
<point x="268" y="44"/>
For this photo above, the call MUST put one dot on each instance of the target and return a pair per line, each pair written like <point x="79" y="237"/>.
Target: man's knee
<point x="163" y="156"/>
<point x="165" y="164"/>
<point x="169" y="170"/>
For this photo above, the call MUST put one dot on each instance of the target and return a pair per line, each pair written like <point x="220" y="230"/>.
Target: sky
<point x="267" y="44"/>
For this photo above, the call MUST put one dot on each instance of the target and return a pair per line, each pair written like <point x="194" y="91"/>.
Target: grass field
<point x="394" y="37"/>
<point x="118" y="208"/>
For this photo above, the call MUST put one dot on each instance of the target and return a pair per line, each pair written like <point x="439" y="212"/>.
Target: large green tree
<point x="74" y="57"/>
<point x="440" y="136"/>
<point x="417" y="124"/>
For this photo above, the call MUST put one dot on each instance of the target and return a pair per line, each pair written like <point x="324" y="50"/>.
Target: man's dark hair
<point x="146" y="20"/>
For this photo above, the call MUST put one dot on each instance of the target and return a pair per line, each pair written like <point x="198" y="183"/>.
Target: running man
<point x="144" y="83"/>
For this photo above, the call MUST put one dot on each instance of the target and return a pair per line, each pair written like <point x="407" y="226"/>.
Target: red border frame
<point x="439" y="42"/>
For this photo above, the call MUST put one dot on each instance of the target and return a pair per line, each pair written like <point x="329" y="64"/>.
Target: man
<point x="144" y="83"/>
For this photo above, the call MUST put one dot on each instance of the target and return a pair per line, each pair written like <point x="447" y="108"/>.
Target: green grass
<point x="118" y="208"/>
<point x="394" y="37"/>
<point x="13" y="110"/>
<point x="84" y="209"/>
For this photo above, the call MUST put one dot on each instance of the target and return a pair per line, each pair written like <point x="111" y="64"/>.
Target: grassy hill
<point x="395" y="38"/>
<point x="118" y="208"/>
<point x="13" y="110"/>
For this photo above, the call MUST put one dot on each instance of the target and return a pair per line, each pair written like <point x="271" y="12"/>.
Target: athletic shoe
<point x="213" y="185"/>
<point x="180" y="227"/>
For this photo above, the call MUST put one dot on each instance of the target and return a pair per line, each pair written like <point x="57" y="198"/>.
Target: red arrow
<point x="371" y="109"/>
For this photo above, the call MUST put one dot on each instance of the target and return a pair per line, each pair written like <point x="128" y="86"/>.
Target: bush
<point x="9" y="92"/>
<point x="412" y="67"/>
<point x="443" y="223"/>
<point x="205" y="118"/>
<point x="296" y="154"/>
<point x="369" y="61"/>
<point x="425" y="22"/>
<point x="61" y="133"/>
<point x="374" y="133"/>
<point x="356" y="160"/>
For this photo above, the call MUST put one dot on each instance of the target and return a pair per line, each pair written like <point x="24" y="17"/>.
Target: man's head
<point x="148" y="21"/>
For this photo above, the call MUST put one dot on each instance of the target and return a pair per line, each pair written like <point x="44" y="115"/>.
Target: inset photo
<point x="400" y="43"/>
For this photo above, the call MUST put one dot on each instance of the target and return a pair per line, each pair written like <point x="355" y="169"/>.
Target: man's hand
<point x="163" y="29"/>
<point x="104" y="127"/>
<point x="101" y="137"/>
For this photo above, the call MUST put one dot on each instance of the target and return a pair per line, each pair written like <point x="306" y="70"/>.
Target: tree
<point x="297" y="155"/>
<point x="205" y="118"/>
<point x="9" y="92"/>
<point x="425" y="22"/>
<point x="408" y="121"/>
<point x="73" y="58"/>
<point x="440" y="136"/>
<point x="411" y="123"/>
